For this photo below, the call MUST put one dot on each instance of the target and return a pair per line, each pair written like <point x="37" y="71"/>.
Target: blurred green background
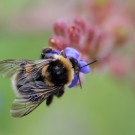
<point x="105" y="106"/>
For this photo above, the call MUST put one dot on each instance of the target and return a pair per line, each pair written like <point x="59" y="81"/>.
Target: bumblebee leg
<point x="59" y="93"/>
<point x="45" y="52"/>
<point x="49" y="100"/>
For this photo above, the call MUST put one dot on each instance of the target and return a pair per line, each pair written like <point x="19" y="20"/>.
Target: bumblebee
<point x="37" y="80"/>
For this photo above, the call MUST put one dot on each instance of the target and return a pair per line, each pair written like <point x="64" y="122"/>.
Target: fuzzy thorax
<point x="64" y="64"/>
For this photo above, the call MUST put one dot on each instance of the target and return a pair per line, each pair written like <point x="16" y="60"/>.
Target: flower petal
<point x="86" y="69"/>
<point x="74" y="82"/>
<point x="53" y="52"/>
<point x="70" y="52"/>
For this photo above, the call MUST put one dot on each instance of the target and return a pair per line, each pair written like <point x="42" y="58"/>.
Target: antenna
<point x="89" y="64"/>
<point x="83" y="67"/>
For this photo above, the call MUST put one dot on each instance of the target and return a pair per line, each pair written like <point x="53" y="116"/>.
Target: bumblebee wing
<point x="22" y="107"/>
<point x="31" y="95"/>
<point x="9" y="67"/>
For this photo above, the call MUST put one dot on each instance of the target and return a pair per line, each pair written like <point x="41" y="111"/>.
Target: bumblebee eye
<point x="75" y="64"/>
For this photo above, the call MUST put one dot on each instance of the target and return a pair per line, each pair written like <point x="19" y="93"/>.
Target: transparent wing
<point x="22" y="107"/>
<point x="31" y="95"/>
<point x="9" y="67"/>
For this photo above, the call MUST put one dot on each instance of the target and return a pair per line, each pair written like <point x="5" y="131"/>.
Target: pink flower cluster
<point x="105" y="36"/>
<point x="85" y="37"/>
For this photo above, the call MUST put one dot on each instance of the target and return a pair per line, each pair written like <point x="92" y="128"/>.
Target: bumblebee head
<point x="59" y="71"/>
<point x="56" y="68"/>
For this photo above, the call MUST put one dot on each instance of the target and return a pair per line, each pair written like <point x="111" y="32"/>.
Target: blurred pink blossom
<point x="83" y="36"/>
<point x="107" y="28"/>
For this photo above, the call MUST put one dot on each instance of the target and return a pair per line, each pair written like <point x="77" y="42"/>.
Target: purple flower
<point x="52" y="53"/>
<point x="72" y="53"/>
